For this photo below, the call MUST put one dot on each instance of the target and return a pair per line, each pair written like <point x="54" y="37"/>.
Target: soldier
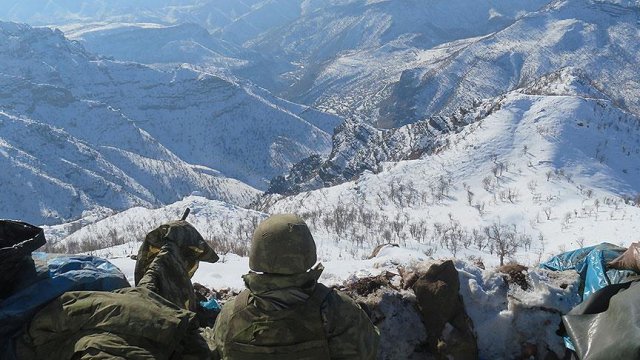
<point x="285" y="313"/>
<point x="154" y="320"/>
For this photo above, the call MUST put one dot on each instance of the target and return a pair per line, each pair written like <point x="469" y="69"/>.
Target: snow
<point x="505" y="317"/>
<point x="559" y="156"/>
<point x="518" y="117"/>
<point x="159" y="134"/>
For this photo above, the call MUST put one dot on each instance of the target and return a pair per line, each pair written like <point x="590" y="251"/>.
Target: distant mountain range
<point x="321" y="101"/>
<point x="167" y="132"/>
<point x="394" y="63"/>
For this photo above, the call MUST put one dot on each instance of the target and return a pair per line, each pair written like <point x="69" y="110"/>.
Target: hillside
<point x="598" y="37"/>
<point x="393" y="64"/>
<point x="366" y="46"/>
<point x="51" y="176"/>
<point x="557" y="171"/>
<point x="538" y="168"/>
<point x="171" y="131"/>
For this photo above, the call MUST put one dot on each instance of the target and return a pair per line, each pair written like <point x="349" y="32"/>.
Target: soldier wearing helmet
<point x="285" y="313"/>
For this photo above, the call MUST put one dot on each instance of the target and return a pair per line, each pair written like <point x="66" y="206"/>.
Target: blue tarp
<point x="54" y="276"/>
<point x="591" y="263"/>
<point x="211" y="304"/>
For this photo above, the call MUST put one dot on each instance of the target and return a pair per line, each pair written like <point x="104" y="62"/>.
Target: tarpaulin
<point x="591" y="264"/>
<point x="607" y="325"/>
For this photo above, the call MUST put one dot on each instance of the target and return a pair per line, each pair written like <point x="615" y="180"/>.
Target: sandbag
<point x="629" y="260"/>
<point x="449" y="329"/>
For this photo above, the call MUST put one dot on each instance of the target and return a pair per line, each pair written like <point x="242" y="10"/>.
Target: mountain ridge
<point x="148" y="120"/>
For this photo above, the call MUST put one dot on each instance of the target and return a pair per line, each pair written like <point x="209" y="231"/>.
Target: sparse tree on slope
<point x="502" y="239"/>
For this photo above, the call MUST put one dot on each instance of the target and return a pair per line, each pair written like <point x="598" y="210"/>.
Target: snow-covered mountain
<point x="346" y="68"/>
<point x="397" y="63"/>
<point x="359" y="147"/>
<point x="378" y="62"/>
<point x="51" y="176"/>
<point x="365" y="45"/>
<point x="394" y="63"/>
<point x="170" y="131"/>
<point x="214" y="13"/>
<point x="551" y="167"/>
<point x="598" y="37"/>
<point x="181" y="43"/>
<point x="121" y="233"/>
<point x="559" y="167"/>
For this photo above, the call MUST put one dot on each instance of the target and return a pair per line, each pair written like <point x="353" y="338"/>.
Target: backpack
<point x="296" y="333"/>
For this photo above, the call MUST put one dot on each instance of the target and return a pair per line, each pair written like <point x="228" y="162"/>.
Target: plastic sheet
<point x="607" y="326"/>
<point x="211" y="304"/>
<point x="591" y="264"/>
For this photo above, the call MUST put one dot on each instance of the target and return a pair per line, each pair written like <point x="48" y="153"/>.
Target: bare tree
<point x="478" y="239"/>
<point x="589" y="193"/>
<point x="502" y="240"/>
<point x="469" y="197"/>
<point x="549" y="175"/>
<point x="488" y="184"/>
<point x="567" y="220"/>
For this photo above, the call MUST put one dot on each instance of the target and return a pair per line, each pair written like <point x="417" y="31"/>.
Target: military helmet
<point x="282" y="244"/>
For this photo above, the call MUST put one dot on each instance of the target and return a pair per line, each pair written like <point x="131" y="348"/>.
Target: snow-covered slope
<point x="227" y="227"/>
<point x="171" y="131"/>
<point x="599" y="38"/>
<point x="359" y="147"/>
<point x="202" y="118"/>
<point x="393" y="63"/>
<point x="377" y="33"/>
<point x="50" y="176"/>
<point x="237" y="19"/>
<point x="363" y="47"/>
<point x="212" y="13"/>
<point x="387" y="62"/>
<point x="554" y="171"/>
<point x="547" y="168"/>
<point x="154" y="43"/>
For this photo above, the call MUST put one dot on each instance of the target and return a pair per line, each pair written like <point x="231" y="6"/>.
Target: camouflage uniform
<point x="285" y="313"/>
<point x="151" y="321"/>
<point x="168" y="258"/>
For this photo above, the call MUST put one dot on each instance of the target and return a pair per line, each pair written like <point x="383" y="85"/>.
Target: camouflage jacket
<point x="155" y="320"/>
<point x="349" y="332"/>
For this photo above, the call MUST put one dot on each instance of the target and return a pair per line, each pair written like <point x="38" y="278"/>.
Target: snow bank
<point x="508" y="320"/>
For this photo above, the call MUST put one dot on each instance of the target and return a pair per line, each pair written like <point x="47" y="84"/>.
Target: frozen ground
<point x="505" y="316"/>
